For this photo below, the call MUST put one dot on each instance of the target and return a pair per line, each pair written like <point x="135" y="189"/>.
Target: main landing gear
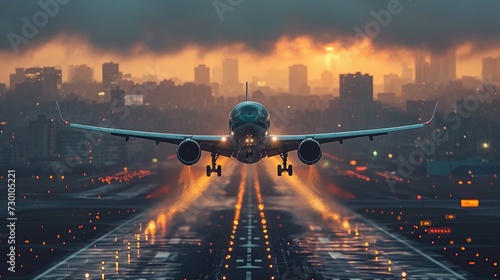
<point x="214" y="167"/>
<point x="283" y="167"/>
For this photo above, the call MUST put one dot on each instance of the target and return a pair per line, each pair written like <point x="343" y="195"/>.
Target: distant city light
<point x="329" y="49"/>
<point x="486" y="145"/>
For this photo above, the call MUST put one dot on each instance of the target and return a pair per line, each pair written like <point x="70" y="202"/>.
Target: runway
<point x="251" y="224"/>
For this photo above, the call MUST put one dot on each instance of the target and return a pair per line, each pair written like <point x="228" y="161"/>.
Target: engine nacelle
<point x="309" y="151"/>
<point x="188" y="152"/>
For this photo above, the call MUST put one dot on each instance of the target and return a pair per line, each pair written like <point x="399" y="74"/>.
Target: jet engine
<point x="188" y="152"/>
<point x="309" y="151"/>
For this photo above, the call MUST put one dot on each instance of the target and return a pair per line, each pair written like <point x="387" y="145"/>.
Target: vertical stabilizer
<point x="246" y="98"/>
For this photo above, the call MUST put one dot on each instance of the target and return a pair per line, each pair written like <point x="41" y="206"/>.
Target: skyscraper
<point x="81" y="74"/>
<point x="491" y="69"/>
<point x="356" y="99"/>
<point x="51" y="82"/>
<point x="443" y="66"/>
<point x="16" y="78"/>
<point x="110" y="76"/>
<point x="327" y="80"/>
<point x="230" y="79"/>
<point x="297" y="79"/>
<point x="50" y="79"/>
<point x="406" y="73"/>
<point x="202" y="75"/>
<point x="422" y="69"/>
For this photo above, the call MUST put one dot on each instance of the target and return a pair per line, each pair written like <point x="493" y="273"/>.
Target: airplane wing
<point x="209" y="143"/>
<point x="285" y="143"/>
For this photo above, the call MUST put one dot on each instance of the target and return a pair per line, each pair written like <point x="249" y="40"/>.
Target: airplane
<point x="249" y="139"/>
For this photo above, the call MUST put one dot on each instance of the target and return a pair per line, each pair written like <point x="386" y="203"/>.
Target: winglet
<point x="246" y="97"/>
<point x="60" y="114"/>
<point x="433" y="113"/>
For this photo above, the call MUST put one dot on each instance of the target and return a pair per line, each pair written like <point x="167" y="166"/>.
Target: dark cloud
<point x="170" y="25"/>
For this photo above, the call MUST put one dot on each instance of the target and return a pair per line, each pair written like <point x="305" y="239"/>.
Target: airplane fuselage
<point x="249" y="123"/>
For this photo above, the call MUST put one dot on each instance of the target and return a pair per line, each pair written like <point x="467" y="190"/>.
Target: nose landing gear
<point x="214" y="168"/>
<point x="283" y="167"/>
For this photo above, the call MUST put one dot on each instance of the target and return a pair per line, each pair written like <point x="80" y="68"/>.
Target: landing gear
<point x="283" y="167"/>
<point x="214" y="167"/>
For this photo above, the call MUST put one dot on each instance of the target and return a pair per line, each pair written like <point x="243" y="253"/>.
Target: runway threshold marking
<point x="409" y="246"/>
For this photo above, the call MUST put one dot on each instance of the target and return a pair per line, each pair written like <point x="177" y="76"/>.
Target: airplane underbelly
<point x="248" y="154"/>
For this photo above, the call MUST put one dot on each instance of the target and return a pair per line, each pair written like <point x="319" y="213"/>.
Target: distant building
<point x="422" y="69"/>
<point x="297" y="79"/>
<point x="16" y="78"/>
<point x="202" y="75"/>
<point x="40" y="139"/>
<point x="406" y="73"/>
<point x="491" y="69"/>
<point x="230" y="79"/>
<point x="420" y="108"/>
<point x="118" y="94"/>
<point x="51" y="82"/>
<point x="356" y="99"/>
<point x="392" y="83"/>
<point x="443" y="67"/>
<point x="110" y="76"/>
<point x="327" y="81"/>
<point x="50" y="79"/>
<point x="81" y="74"/>
<point x="3" y="89"/>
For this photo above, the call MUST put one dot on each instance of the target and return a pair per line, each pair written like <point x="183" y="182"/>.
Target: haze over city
<point x="152" y="35"/>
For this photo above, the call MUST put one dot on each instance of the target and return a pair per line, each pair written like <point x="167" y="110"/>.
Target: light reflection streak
<point x="308" y="191"/>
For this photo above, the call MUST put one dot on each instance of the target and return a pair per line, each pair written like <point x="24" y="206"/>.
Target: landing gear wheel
<point x="284" y="167"/>
<point x="219" y="170"/>
<point x="214" y="167"/>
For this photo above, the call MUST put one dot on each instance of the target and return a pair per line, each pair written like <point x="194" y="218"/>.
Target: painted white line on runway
<point x="249" y="275"/>
<point x="409" y="246"/>
<point x="88" y="246"/>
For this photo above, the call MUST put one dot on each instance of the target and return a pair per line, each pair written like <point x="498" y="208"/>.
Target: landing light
<point x="224" y="139"/>
<point x="275" y="138"/>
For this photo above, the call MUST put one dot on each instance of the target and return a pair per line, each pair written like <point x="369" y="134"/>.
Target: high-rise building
<point x="110" y="76"/>
<point x="392" y="83"/>
<point x="41" y="138"/>
<point x="230" y="79"/>
<point x="491" y="69"/>
<point x="356" y="99"/>
<point x="202" y="75"/>
<point x="51" y="82"/>
<point x="81" y="74"/>
<point x="16" y="78"/>
<point x="443" y="67"/>
<point x="406" y="73"/>
<point x="50" y="79"/>
<point x="422" y="69"/>
<point x="297" y="79"/>
<point x="33" y="74"/>
<point x="3" y="88"/>
<point x="327" y="80"/>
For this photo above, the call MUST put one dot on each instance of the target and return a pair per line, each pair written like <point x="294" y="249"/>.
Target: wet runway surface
<point x="251" y="224"/>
